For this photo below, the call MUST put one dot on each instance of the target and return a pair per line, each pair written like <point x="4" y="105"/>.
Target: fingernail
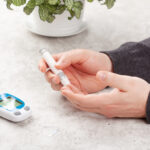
<point x="102" y="75"/>
<point x="58" y="65"/>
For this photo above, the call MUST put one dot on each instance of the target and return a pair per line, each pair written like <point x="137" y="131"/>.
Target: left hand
<point x="127" y="99"/>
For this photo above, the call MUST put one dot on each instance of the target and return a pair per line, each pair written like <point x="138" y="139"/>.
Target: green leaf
<point x="54" y="2"/>
<point x="109" y="3"/>
<point x="60" y="9"/>
<point x="50" y="18"/>
<point x="31" y="4"/>
<point x="77" y="8"/>
<point x="39" y="2"/>
<point x="43" y="12"/>
<point x="72" y="14"/>
<point x="28" y="10"/>
<point x="18" y="2"/>
<point x="78" y="4"/>
<point x="51" y="8"/>
<point x="90" y="0"/>
<point x="77" y="12"/>
<point x="8" y="4"/>
<point x="69" y="4"/>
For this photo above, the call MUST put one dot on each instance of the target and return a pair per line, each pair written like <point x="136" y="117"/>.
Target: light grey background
<point x="55" y="124"/>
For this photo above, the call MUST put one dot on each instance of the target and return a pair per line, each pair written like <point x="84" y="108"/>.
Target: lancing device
<point x="51" y="63"/>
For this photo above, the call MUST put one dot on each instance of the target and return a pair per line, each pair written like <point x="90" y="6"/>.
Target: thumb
<point x="114" y="80"/>
<point x="63" y="63"/>
<point x="71" y="57"/>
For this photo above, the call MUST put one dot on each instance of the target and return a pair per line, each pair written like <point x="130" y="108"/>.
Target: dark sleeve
<point x="148" y="109"/>
<point x="133" y="59"/>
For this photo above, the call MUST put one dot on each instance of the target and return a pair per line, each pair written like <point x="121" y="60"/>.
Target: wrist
<point x="109" y="65"/>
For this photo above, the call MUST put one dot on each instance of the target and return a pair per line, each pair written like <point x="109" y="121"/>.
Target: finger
<point x="93" y="110"/>
<point x="76" y="90"/>
<point x="72" y="97"/>
<point x="49" y="76"/>
<point x="114" y="80"/>
<point x="72" y="88"/>
<point x="43" y="65"/>
<point x="70" y="57"/>
<point x="57" y="56"/>
<point x="90" y="100"/>
<point x="56" y="87"/>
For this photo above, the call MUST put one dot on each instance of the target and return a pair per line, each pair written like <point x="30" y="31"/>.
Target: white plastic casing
<point x="51" y="63"/>
<point x="15" y="114"/>
<point x="10" y="115"/>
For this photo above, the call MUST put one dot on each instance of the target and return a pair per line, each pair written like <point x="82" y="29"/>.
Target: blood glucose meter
<point x="13" y="108"/>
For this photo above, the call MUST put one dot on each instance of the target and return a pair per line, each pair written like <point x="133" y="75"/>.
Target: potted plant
<point x="54" y="17"/>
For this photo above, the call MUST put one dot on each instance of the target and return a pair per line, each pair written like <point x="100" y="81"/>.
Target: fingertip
<point x="42" y="65"/>
<point x="41" y="68"/>
<point x="58" y="66"/>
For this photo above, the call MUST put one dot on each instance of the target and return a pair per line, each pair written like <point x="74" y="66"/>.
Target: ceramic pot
<point x="60" y="27"/>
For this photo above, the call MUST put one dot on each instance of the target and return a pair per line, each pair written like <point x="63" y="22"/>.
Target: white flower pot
<point x="60" y="27"/>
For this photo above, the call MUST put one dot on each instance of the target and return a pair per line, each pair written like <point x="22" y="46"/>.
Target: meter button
<point x="17" y="113"/>
<point x="27" y="108"/>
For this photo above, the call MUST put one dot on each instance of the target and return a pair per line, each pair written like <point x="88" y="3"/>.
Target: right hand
<point x="81" y="67"/>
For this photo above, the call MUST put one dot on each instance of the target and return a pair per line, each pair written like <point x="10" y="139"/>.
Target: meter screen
<point x="9" y="103"/>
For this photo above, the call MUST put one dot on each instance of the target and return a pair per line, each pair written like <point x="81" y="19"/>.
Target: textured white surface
<point x="55" y="124"/>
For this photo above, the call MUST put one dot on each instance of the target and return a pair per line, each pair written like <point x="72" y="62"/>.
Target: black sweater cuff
<point x="148" y="109"/>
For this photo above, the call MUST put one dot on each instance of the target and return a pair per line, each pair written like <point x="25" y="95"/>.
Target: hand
<point x="81" y="67"/>
<point x="128" y="99"/>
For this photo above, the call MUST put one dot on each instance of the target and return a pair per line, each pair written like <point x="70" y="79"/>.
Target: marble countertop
<point x="55" y="124"/>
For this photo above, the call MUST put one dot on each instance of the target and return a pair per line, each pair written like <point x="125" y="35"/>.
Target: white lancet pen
<point x="51" y="63"/>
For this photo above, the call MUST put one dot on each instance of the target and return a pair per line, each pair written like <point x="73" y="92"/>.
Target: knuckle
<point x="135" y="79"/>
<point x="82" y="51"/>
<point x="132" y="81"/>
<point x="48" y="77"/>
<point x="79" y="51"/>
<point x="63" y="59"/>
